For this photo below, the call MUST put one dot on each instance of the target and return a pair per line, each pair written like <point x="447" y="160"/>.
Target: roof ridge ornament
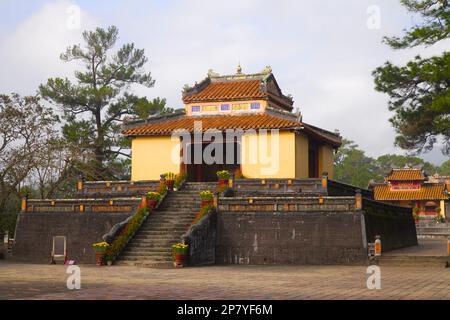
<point x="239" y="69"/>
<point x="212" y="74"/>
<point x="267" y="70"/>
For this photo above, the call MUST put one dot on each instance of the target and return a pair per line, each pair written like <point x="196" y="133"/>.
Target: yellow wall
<point x="326" y="157"/>
<point x="301" y="156"/>
<point x="277" y="160"/>
<point x="442" y="206"/>
<point x="152" y="156"/>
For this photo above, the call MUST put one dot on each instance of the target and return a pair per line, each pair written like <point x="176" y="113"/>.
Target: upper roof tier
<point x="406" y="174"/>
<point x="242" y="87"/>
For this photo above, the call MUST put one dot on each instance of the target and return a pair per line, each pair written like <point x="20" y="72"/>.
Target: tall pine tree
<point x="419" y="91"/>
<point x="95" y="103"/>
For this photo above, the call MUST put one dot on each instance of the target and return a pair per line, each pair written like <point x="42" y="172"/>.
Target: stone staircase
<point x="428" y="253"/>
<point x="151" y="245"/>
<point x="433" y="230"/>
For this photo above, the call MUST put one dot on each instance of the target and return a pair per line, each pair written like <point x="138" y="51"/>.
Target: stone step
<point x="171" y="218"/>
<point x="154" y="238"/>
<point x="435" y="235"/>
<point x="148" y="250"/>
<point x="169" y="229"/>
<point x="417" y="261"/>
<point x="159" y="236"/>
<point x="153" y="244"/>
<point x="150" y="255"/>
<point x="146" y="263"/>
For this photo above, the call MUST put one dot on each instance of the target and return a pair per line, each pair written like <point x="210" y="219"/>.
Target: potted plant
<point x="223" y="177"/>
<point x="170" y="178"/>
<point x="109" y="258"/>
<point x="152" y="199"/>
<point x="207" y="198"/>
<point x="180" y="251"/>
<point x="416" y="211"/>
<point x="438" y="215"/>
<point x="100" y="250"/>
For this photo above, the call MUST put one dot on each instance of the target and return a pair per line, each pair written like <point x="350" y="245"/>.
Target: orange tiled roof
<point x="219" y="122"/>
<point x="426" y="192"/>
<point x="405" y="175"/>
<point x="231" y="90"/>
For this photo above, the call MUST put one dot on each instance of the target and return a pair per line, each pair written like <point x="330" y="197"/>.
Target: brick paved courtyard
<point x="31" y="281"/>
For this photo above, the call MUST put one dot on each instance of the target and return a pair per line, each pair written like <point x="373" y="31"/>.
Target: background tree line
<point x="353" y="166"/>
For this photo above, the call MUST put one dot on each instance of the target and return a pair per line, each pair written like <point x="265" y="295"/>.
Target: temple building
<point x="411" y="187"/>
<point x="242" y="123"/>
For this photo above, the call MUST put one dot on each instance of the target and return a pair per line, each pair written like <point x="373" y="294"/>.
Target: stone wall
<point x="394" y="224"/>
<point x="35" y="231"/>
<point x="295" y="232"/>
<point x="201" y="239"/>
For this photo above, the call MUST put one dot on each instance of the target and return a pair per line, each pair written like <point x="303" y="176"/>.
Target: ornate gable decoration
<point x="245" y="88"/>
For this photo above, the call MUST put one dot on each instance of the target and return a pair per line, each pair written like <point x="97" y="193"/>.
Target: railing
<point x="336" y="188"/>
<point x="80" y="205"/>
<point x="281" y="186"/>
<point x="288" y="204"/>
<point x="121" y="188"/>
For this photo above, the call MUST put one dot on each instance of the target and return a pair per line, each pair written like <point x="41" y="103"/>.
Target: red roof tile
<point x="219" y="122"/>
<point x="426" y="192"/>
<point x="230" y="90"/>
<point x="405" y="175"/>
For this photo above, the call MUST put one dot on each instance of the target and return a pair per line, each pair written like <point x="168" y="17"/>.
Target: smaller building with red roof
<point x="411" y="187"/>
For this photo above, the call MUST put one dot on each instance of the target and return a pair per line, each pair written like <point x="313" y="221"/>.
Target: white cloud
<point x="30" y="53"/>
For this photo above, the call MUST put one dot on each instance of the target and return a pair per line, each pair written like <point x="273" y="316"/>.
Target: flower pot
<point x="99" y="257"/>
<point x="109" y="262"/>
<point x="205" y="203"/>
<point x="170" y="184"/>
<point x="151" y="204"/>
<point x="223" y="182"/>
<point x="180" y="259"/>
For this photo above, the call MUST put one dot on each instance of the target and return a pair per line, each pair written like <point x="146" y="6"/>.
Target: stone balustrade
<point x="120" y="188"/>
<point x="286" y="204"/>
<point x="80" y="205"/>
<point x="281" y="186"/>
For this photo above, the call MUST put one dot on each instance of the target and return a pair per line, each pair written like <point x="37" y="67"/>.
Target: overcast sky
<point x="322" y="52"/>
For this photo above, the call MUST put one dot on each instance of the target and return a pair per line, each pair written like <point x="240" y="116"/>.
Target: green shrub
<point x="170" y="176"/>
<point x="206" y="195"/>
<point x="180" y="179"/>
<point x="224" y="174"/>
<point x="155" y="196"/>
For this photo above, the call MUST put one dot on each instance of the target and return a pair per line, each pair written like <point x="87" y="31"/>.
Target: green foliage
<point x="162" y="188"/>
<point x="144" y="108"/>
<point x="180" y="179"/>
<point x="170" y="176"/>
<point x="8" y="222"/>
<point x="390" y="161"/>
<point x="180" y="248"/>
<point x="436" y="26"/>
<point x="223" y="174"/>
<point x="154" y="196"/>
<point x="444" y="170"/>
<point x="203" y="212"/>
<point x="206" y="195"/>
<point x="352" y="166"/>
<point x="419" y="92"/>
<point x="125" y="235"/>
